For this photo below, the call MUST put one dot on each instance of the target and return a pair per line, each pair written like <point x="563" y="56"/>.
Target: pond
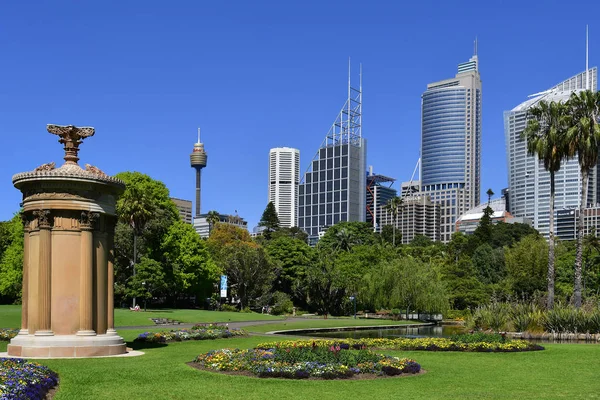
<point x="423" y="331"/>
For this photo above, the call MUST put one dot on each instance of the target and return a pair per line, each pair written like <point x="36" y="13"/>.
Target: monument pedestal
<point x="66" y="346"/>
<point x="69" y="217"/>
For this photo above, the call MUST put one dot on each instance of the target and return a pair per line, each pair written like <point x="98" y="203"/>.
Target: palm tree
<point x="545" y="136"/>
<point x="583" y="138"/>
<point x="135" y="208"/>
<point x="394" y="206"/>
<point x="212" y="218"/>
<point x="490" y="193"/>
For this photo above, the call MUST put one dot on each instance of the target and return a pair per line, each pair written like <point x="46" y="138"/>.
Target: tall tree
<point x="545" y="134"/>
<point x="583" y="138"/>
<point x="144" y="199"/>
<point x="11" y="260"/>
<point x="269" y="220"/>
<point x="394" y="207"/>
<point x="213" y="219"/>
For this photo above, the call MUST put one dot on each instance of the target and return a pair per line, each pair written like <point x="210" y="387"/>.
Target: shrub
<point x="524" y="316"/>
<point x="282" y="304"/>
<point x="228" y="307"/>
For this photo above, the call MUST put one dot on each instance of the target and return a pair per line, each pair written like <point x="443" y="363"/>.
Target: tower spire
<point x="475" y="45"/>
<point x="198" y="135"/>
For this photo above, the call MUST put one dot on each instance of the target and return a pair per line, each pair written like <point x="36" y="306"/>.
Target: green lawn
<point x="562" y="371"/>
<point x="10" y="316"/>
<point x="139" y="318"/>
<point x="322" y="323"/>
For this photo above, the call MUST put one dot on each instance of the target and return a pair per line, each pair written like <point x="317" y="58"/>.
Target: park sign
<point x="223" y="285"/>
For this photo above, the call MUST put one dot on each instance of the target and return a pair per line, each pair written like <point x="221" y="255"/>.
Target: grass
<point x="322" y="323"/>
<point x="10" y="316"/>
<point x="561" y="371"/>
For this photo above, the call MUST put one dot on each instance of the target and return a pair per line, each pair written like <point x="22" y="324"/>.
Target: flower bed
<point x="20" y="379"/>
<point x="198" y="332"/>
<point x="428" y="344"/>
<point x="7" y="334"/>
<point x="334" y="362"/>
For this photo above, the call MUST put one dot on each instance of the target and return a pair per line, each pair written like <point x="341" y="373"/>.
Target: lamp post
<point x="353" y="299"/>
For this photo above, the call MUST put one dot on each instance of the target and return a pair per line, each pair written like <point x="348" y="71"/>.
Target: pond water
<point x="424" y="331"/>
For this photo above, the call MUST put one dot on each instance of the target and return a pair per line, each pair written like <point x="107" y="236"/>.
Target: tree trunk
<point x="134" y="259"/>
<point x="578" y="257"/>
<point x="550" y="300"/>
<point x="394" y="231"/>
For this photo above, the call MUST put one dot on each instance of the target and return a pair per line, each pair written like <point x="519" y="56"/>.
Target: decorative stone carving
<point x="46" y="167"/>
<point x="87" y="219"/>
<point x="94" y="170"/>
<point x="44" y="218"/>
<point x="25" y="220"/>
<point x="71" y="137"/>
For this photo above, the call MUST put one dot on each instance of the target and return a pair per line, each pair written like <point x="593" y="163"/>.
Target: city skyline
<point x="244" y="86"/>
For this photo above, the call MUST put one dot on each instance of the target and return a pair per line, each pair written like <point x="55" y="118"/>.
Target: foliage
<point x="20" y="379"/>
<point x="569" y="319"/>
<point x="483" y="233"/>
<point x="228" y="308"/>
<point x="324" y="284"/>
<point x="11" y="259"/>
<point x="304" y="362"/>
<point x="198" y="332"/>
<point x="494" y="316"/>
<point x="345" y="235"/>
<point x="293" y="232"/>
<point x="477" y="344"/>
<point x="282" y="304"/>
<point x="292" y="257"/>
<point x="464" y="289"/>
<point x="190" y="266"/>
<point x="407" y="284"/>
<point x="149" y="279"/>
<point x="526" y="265"/>
<point x="489" y="263"/>
<point x="269" y="220"/>
<point x="583" y="138"/>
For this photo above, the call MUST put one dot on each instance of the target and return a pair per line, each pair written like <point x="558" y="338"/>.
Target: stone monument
<point x="69" y="218"/>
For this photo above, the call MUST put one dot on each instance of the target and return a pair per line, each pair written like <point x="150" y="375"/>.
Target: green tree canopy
<point x="269" y="220"/>
<point x="11" y="260"/>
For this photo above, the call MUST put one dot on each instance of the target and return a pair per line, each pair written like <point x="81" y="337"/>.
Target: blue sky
<point x="256" y="75"/>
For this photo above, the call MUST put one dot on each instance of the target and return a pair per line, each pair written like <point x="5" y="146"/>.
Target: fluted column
<point x="44" y="274"/>
<point x="101" y="282"/>
<point x="110" y="303"/>
<point x="86" y="271"/>
<point x="25" y="288"/>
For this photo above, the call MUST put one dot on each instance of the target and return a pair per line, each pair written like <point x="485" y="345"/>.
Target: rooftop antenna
<point x="587" y="78"/>
<point x="198" y="135"/>
<point x="475" y="52"/>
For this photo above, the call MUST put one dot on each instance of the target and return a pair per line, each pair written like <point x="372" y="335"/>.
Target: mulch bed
<point x="312" y="378"/>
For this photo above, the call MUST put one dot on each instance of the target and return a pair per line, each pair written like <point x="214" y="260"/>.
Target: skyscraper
<point x="198" y="160"/>
<point x="334" y="187"/>
<point x="451" y="144"/>
<point x="284" y="177"/>
<point x="528" y="181"/>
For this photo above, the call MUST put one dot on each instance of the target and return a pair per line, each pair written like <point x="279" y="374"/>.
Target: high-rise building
<point x="203" y="227"/>
<point x="284" y="178"/>
<point x="185" y="209"/>
<point x="378" y="194"/>
<point x="198" y="160"/>
<point x="528" y="181"/>
<point x="418" y="216"/>
<point x="451" y="144"/>
<point x="334" y="188"/>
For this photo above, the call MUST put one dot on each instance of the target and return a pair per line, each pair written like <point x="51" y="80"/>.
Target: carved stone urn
<point x="69" y="218"/>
